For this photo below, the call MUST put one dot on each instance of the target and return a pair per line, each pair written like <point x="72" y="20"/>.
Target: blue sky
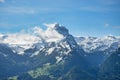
<point x="81" y="17"/>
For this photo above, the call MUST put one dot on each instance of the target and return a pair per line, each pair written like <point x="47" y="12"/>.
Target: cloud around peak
<point x="2" y="1"/>
<point x="50" y="34"/>
<point x="32" y="36"/>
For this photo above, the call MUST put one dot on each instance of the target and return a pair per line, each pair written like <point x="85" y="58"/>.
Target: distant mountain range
<point x="54" y="54"/>
<point x="93" y="44"/>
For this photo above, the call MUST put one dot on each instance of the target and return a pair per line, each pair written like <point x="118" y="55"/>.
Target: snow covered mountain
<point x="55" y="46"/>
<point x="59" y="47"/>
<point x="93" y="44"/>
<point x="55" y="39"/>
<point x="19" y="42"/>
<point x="38" y="38"/>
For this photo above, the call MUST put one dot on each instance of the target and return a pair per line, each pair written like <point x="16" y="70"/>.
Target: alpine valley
<point x="54" y="54"/>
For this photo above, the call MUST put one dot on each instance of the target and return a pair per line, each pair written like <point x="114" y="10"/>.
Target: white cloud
<point x="23" y="40"/>
<point x="38" y="32"/>
<point x="109" y="2"/>
<point x="17" y="10"/>
<point x="95" y="8"/>
<point x="106" y="25"/>
<point x="2" y="1"/>
<point x="29" y="37"/>
<point x="29" y="10"/>
<point x="51" y="25"/>
<point x="117" y="27"/>
<point x="49" y="35"/>
<point x="20" y="38"/>
<point x="5" y="25"/>
<point x="53" y="35"/>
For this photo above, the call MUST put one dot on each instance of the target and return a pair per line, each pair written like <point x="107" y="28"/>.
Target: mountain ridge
<point x="55" y="33"/>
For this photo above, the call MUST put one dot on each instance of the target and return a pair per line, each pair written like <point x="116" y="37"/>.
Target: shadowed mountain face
<point x="53" y="54"/>
<point x="110" y="69"/>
